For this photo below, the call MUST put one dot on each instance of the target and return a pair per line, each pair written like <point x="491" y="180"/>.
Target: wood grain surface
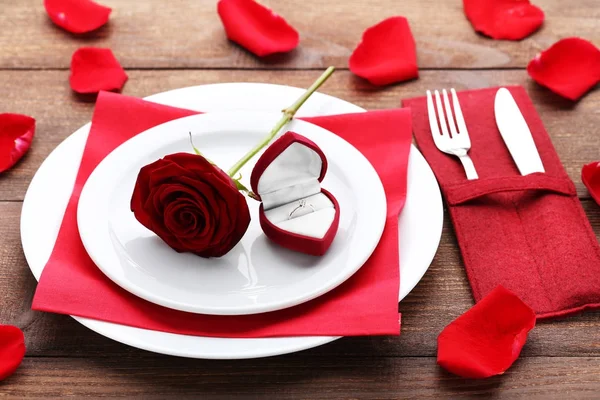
<point x="166" y="45"/>
<point x="188" y="34"/>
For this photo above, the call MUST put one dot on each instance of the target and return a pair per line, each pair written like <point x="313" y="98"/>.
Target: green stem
<point x="287" y="116"/>
<point x="198" y="152"/>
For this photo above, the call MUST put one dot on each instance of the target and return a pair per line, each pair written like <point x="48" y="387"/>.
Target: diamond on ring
<point x="301" y="205"/>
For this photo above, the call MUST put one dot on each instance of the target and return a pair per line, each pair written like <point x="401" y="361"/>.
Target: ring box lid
<point x="291" y="168"/>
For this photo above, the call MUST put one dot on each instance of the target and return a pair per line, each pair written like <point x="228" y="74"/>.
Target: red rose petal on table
<point x="570" y="67"/>
<point x="590" y="176"/>
<point x="256" y="28"/>
<point x="386" y="54"/>
<point x="12" y="350"/>
<point x="488" y="338"/>
<point x="16" y="134"/>
<point x="77" y="16"/>
<point x="94" y="69"/>
<point x="504" y="19"/>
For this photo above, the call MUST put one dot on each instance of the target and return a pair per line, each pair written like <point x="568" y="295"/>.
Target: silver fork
<point x="457" y="142"/>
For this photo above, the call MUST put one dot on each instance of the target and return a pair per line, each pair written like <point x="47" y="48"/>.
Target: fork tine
<point x="460" y="120"/>
<point x="432" y="118"/>
<point x="449" y="116"/>
<point x="441" y="119"/>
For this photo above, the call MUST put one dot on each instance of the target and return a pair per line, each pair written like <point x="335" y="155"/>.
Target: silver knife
<point x="516" y="133"/>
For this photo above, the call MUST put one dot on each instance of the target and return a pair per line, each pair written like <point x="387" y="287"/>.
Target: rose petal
<point x="190" y="223"/>
<point x="12" y="350"/>
<point x="256" y="28"/>
<point x="227" y="220"/>
<point x="504" y="19"/>
<point x="386" y="54"/>
<point x="77" y="16"/>
<point x="205" y="193"/>
<point x="590" y="175"/>
<point x="164" y="171"/>
<point x="570" y="67"/>
<point x="488" y="338"/>
<point x="16" y="134"/>
<point x="94" y="69"/>
<point x="201" y="168"/>
<point x="171" y="213"/>
<point x="141" y="193"/>
<point x="242" y="220"/>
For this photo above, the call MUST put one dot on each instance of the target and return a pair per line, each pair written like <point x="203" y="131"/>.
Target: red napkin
<point x="366" y="304"/>
<point x="526" y="233"/>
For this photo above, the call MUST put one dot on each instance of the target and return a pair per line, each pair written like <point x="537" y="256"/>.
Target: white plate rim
<point x="92" y="213"/>
<point x="37" y="252"/>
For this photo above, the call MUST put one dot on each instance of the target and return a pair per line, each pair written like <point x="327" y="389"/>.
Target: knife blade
<point x="516" y="133"/>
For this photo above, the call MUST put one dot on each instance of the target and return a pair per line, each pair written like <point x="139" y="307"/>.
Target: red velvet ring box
<point x="295" y="212"/>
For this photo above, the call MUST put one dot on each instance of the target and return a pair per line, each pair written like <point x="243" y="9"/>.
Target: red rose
<point x="190" y="204"/>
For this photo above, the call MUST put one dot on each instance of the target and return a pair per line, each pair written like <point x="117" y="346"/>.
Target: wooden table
<point x="170" y="44"/>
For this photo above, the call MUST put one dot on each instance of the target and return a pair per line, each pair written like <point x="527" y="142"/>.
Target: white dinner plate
<point x="256" y="276"/>
<point x="420" y="224"/>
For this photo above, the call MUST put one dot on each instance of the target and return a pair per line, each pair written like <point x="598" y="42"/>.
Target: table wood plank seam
<point x="265" y="68"/>
<point x="140" y="354"/>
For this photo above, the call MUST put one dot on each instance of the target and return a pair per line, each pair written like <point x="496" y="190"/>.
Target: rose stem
<point x="287" y="116"/>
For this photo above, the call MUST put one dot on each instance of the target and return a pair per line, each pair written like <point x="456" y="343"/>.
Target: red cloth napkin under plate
<point x="366" y="304"/>
<point x="526" y="233"/>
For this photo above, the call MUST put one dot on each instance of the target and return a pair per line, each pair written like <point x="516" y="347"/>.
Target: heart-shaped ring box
<point x="295" y="212"/>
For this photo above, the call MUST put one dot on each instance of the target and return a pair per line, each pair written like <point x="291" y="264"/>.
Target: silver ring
<point x="301" y="204"/>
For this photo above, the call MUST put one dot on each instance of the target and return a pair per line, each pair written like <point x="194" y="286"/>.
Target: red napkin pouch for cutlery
<point x="527" y="233"/>
<point x="295" y="211"/>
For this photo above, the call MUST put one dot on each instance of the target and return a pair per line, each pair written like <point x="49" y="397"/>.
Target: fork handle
<point x="469" y="167"/>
